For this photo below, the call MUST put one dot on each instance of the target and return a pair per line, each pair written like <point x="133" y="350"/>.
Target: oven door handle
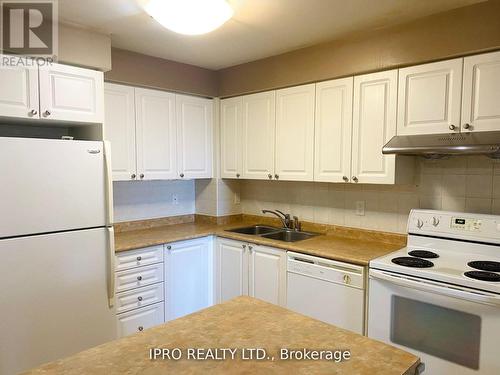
<point x="437" y="288"/>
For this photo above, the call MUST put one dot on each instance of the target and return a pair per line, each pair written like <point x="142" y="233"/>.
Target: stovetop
<point x="454" y="248"/>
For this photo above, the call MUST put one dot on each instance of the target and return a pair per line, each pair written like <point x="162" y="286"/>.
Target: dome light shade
<point x="190" y="17"/>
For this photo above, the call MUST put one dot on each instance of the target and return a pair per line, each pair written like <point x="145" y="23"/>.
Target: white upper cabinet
<point x="120" y="130"/>
<point x="74" y="94"/>
<point x="258" y="135"/>
<point x="19" y="90"/>
<point x="156" y="134"/>
<point x="267" y="279"/>
<point x="481" y="93"/>
<point x="295" y="133"/>
<point x="230" y="154"/>
<point x="374" y="124"/>
<point x="333" y="128"/>
<point x="231" y="269"/>
<point x="195" y="136"/>
<point x="429" y="98"/>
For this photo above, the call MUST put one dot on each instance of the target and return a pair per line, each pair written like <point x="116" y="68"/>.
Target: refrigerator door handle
<point x="111" y="266"/>
<point x="109" y="182"/>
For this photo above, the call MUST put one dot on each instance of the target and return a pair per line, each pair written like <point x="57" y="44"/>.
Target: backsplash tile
<point x="469" y="184"/>
<point x="139" y="200"/>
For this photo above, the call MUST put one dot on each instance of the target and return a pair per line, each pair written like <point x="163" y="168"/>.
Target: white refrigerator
<point x="56" y="250"/>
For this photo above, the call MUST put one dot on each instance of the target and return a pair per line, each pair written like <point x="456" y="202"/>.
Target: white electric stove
<point x="439" y="297"/>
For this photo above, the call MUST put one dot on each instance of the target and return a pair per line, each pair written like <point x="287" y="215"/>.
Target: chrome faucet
<point x="285" y="218"/>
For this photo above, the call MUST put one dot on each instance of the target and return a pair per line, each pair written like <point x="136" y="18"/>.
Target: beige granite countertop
<point x="241" y="323"/>
<point x="353" y="246"/>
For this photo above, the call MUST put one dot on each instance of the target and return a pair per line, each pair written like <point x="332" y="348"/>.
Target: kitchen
<point x="245" y="180"/>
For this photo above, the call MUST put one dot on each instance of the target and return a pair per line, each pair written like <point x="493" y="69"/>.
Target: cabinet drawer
<point x="140" y="297"/>
<point x="140" y="257"/>
<point x="137" y="277"/>
<point x="140" y="319"/>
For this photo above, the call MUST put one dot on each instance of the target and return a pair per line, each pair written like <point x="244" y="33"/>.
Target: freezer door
<point x="51" y="185"/>
<point x="54" y="297"/>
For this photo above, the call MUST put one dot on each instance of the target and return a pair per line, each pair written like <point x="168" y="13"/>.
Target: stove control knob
<point x="435" y="221"/>
<point x="420" y="223"/>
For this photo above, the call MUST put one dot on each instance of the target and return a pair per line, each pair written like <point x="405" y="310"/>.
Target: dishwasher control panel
<point x="326" y="269"/>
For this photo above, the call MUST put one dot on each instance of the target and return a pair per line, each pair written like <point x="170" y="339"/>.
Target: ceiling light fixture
<point x="190" y="17"/>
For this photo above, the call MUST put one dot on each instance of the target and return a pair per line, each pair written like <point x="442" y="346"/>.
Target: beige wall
<point x="84" y="48"/>
<point x="453" y="33"/>
<point x="141" y="70"/>
<point x="465" y="184"/>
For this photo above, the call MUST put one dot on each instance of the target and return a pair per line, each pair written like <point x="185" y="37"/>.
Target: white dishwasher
<point x="327" y="290"/>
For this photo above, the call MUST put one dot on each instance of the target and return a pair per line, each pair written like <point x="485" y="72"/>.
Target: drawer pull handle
<point x="347" y="279"/>
<point x="139" y="278"/>
<point x="139" y="259"/>
<point x="169" y="247"/>
<point x="140" y="328"/>
<point x="139" y="298"/>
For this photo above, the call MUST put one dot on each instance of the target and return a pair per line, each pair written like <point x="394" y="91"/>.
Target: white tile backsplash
<point x="470" y="184"/>
<point x="139" y="200"/>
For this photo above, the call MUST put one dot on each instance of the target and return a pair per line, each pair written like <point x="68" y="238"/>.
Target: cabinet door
<point x="429" y="98"/>
<point x="189" y="277"/>
<point x="374" y="124"/>
<point x="155" y="134"/>
<point x="267" y="279"/>
<point x="74" y="94"/>
<point x="231" y="269"/>
<point x="481" y="93"/>
<point x="194" y="136"/>
<point x="258" y="134"/>
<point x="332" y="130"/>
<point x="119" y="129"/>
<point x="230" y="137"/>
<point x="18" y="88"/>
<point x="295" y="133"/>
<point x="140" y="319"/>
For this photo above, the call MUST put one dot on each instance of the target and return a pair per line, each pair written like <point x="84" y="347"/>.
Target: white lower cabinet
<point x="189" y="277"/>
<point x="267" y="274"/>
<point x="140" y="319"/>
<point x="247" y="269"/>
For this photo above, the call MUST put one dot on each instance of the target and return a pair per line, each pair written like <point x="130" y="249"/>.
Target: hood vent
<point x="441" y="145"/>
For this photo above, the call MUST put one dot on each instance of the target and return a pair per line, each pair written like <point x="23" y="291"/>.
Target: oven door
<point x="453" y="330"/>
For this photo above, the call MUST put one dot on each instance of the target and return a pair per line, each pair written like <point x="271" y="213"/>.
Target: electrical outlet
<point x="237" y="198"/>
<point x="175" y="199"/>
<point x="360" y="208"/>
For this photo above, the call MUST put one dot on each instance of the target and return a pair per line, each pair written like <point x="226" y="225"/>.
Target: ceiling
<point x="259" y="28"/>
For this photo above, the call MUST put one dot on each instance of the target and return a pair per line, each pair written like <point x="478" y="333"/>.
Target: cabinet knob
<point x="139" y="258"/>
<point x="250" y="249"/>
<point x="345" y="178"/>
<point x="244" y="247"/>
<point x="355" y="179"/>
<point x="452" y="127"/>
<point x="237" y="175"/>
<point x="141" y="176"/>
<point x="169" y="247"/>
<point x="467" y="126"/>
<point x="46" y="113"/>
<point x="140" y="328"/>
<point x="276" y="176"/>
<point x="182" y="175"/>
<point x="33" y="112"/>
<point x="347" y="279"/>
<point x="132" y="176"/>
<point x="139" y="278"/>
<point x="270" y="176"/>
<point x="139" y="298"/>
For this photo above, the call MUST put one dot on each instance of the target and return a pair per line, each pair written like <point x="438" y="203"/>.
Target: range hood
<point x="440" y="145"/>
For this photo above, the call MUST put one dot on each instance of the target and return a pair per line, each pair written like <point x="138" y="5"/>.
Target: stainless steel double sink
<point x="273" y="233"/>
